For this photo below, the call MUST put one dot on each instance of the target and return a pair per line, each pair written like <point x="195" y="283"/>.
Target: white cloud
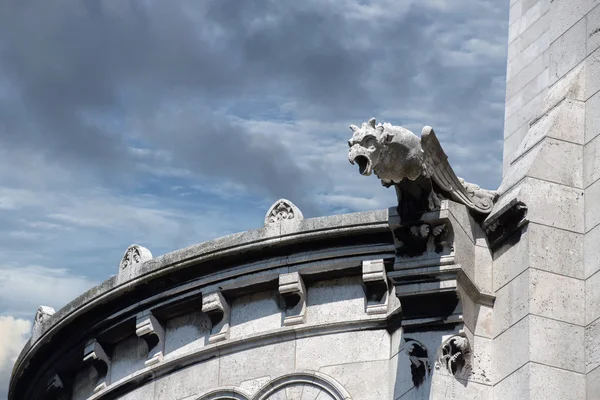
<point x="24" y="288"/>
<point x="14" y="333"/>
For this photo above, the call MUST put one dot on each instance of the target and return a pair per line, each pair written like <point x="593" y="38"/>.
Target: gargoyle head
<point x="365" y="146"/>
<point x="392" y="152"/>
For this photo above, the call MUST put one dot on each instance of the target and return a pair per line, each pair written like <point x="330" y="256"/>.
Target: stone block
<point x="591" y="259"/>
<point x="541" y="340"/>
<point x="593" y="30"/>
<point x="364" y="380"/>
<point x="593" y="384"/>
<point x="335" y="301"/>
<point x="528" y="74"/>
<point x="186" y="333"/>
<point x="145" y="392"/>
<point x="527" y="92"/>
<point x="512" y="303"/>
<point x="592" y="66"/>
<point x="536" y="381"/>
<point x="557" y="297"/>
<point x="556" y="344"/>
<point x="527" y="56"/>
<point x="254" y="313"/>
<point x="342" y="348"/>
<point x="591" y="162"/>
<point x="592" y="211"/>
<point x="570" y="12"/>
<point x="190" y="381"/>
<point x="592" y="117"/>
<point x="567" y="51"/>
<point x="592" y="298"/>
<point x="527" y="37"/>
<point x="511" y="350"/>
<point x="128" y="356"/>
<point x="515" y="12"/>
<point x="269" y="360"/>
<point x="528" y="17"/>
<point x="549" y="203"/>
<point x="524" y="115"/>
<point x="541" y="247"/>
<point x="511" y="144"/>
<point x="565" y="122"/>
<point x="550" y="160"/>
<point x="592" y="346"/>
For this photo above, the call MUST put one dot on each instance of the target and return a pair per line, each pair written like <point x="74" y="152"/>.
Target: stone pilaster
<point x="545" y="311"/>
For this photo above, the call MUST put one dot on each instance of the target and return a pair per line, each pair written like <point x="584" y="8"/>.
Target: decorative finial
<point x="283" y="210"/>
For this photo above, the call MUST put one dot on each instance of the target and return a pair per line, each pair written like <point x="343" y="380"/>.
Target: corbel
<point x="215" y="306"/>
<point x="95" y="356"/>
<point x="293" y="291"/>
<point x="55" y="389"/>
<point x="376" y="286"/>
<point x="148" y="328"/>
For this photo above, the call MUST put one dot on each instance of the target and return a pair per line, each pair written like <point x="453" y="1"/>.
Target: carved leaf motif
<point x="135" y="255"/>
<point x="281" y="212"/>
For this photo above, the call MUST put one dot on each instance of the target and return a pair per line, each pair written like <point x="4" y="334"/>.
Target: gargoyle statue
<point x="417" y="167"/>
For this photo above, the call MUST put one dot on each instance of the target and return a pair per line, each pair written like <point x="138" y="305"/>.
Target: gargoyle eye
<point x="370" y="142"/>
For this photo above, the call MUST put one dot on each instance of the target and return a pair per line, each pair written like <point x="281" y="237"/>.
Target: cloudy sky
<point x="168" y="123"/>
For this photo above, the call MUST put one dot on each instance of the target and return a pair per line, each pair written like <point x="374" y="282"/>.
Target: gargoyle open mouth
<point x="364" y="165"/>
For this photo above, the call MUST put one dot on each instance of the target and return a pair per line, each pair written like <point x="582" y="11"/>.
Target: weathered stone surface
<point x="254" y="313"/>
<point x="363" y="380"/>
<point x="548" y="203"/>
<point x="186" y="333"/>
<point x="567" y="13"/>
<point x="270" y="360"/>
<point x="591" y="259"/>
<point x="540" y="340"/>
<point x="536" y="381"/>
<point x="568" y="50"/>
<point x="592" y="346"/>
<point x="193" y="380"/>
<point x="593" y="384"/>
<point x="335" y="301"/>
<point x="343" y="348"/>
<point x="551" y="160"/>
<point x="592" y="117"/>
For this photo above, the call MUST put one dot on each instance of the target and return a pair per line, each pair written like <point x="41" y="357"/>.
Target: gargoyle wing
<point x="440" y="171"/>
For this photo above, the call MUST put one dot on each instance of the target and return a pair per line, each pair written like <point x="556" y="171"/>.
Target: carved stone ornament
<point x="454" y="357"/>
<point x="282" y="210"/>
<point x="134" y="255"/>
<point x="417" y="167"/>
<point x="420" y="366"/>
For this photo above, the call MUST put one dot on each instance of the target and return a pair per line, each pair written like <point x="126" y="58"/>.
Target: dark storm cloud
<point x="63" y="61"/>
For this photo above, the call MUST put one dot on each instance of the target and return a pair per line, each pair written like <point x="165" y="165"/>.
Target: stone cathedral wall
<point x="299" y="309"/>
